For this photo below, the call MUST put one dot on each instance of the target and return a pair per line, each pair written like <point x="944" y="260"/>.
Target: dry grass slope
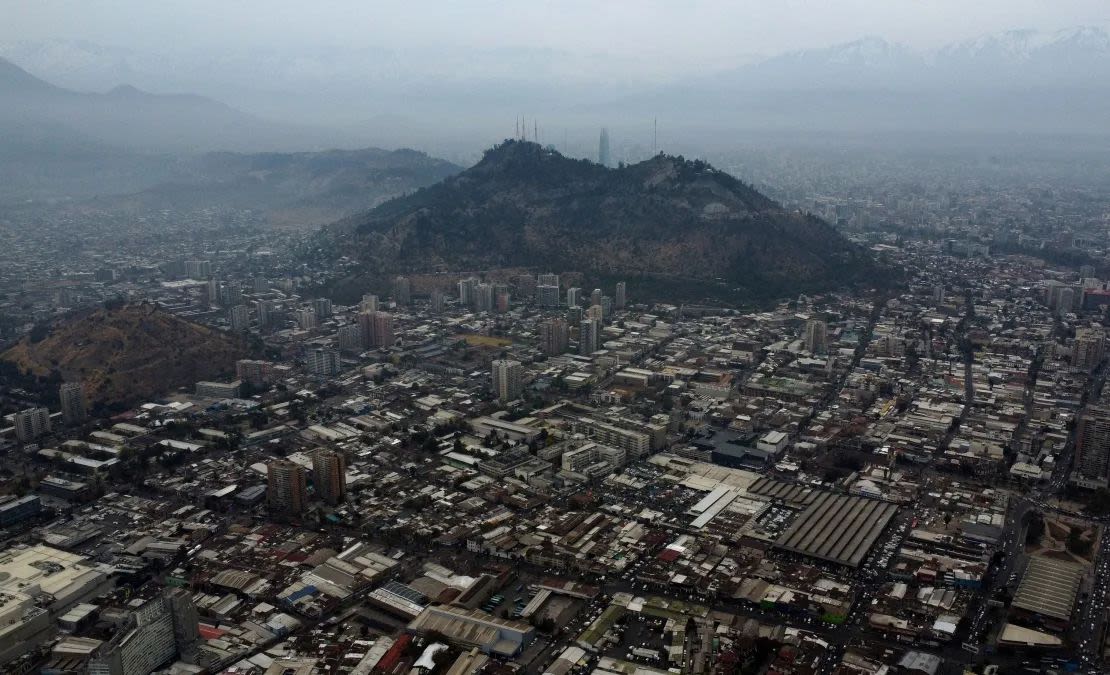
<point x="129" y="354"/>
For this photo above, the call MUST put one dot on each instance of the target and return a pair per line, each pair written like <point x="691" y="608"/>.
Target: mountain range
<point x="672" y="227"/>
<point x="1021" y="80"/>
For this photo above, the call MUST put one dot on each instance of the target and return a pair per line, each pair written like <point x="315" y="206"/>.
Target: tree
<point x="1076" y="543"/>
<point x="1035" y="530"/>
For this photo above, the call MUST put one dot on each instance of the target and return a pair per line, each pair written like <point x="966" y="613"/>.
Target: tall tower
<point x="816" y="339"/>
<point x="329" y="475"/>
<point x="589" y="336"/>
<point x="72" y="397"/>
<point x="507" y="379"/>
<point x="622" y="295"/>
<point x="603" y="157"/>
<point x="285" y="487"/>
<point x="553" y="336"/>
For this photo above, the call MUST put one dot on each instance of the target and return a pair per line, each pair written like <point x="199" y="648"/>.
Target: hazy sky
<point x="672" y="35"/>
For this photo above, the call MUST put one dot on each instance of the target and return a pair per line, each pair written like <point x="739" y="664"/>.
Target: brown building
<point x="329" y="475"/>
<point x="285" y="487"/>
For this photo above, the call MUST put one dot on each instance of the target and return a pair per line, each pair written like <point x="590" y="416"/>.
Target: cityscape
<point x="788" y="410"/>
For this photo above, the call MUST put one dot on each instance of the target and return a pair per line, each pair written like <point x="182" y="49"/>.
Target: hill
<point x="128" y="118"/>
<point x="126" y="354"/>
<point x="302" y="187"/>
<point x="680" y="227"/>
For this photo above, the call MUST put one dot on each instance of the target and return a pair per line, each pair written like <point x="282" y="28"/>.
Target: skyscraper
<point x="436" y="302"/>
<point x="329" y="475"/>
<point x="589" y="336"/>
<point x="369" y="303"/>
<point x="402" y="291"/>
<point x="306" y="319"/>
<point x="323" y="307"/>
<point x="239" y="317"/>
<point x="548" y="279"/>
<point x="603" y="148"/>
<point x="553" y="336"/>
<point x="1087" y="350"/>
<point x="466" y="291"/>
<point x="377" y="329"/>
<point x="621" y="295"/>
<point x="816" y="339"/>
<point x="349" y="338"/>
<point x="507" y="379"/>
<point x="574" y="296"/>
<point x="483" y="297"/>
<point x="72" y="397"/>
<point x="31" y="423"/>
<point x="547" y="295"/>
<point x="285" y="487"/>
<point x="1092" y="445"/>
<point x="322" y="362"/>
<point x="501" y="300"/>
<point x="595" y="297"/>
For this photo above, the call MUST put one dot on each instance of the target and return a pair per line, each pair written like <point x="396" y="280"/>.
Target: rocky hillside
<point x="680" y="228"/>
<point x="127" y="354"/>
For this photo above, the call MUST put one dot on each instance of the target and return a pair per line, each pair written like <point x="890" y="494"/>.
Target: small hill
<point x="301" y="187"/>
<point x="127" y="354"/>
<point x="676" y="229"/>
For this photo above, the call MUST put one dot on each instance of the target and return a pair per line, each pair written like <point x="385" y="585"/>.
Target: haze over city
<point x="554" y="338"/>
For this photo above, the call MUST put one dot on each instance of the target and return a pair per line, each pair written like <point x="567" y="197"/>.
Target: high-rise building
<point x="621" y="295"/>
<point x="72" y="398"/>
<point x="31" y="423"/>
<point x="483" y="297"/>
<point x="369" y="303"/>
<point x="606" y="307"/>
<point x="323" y="307"/>
<point x="239" y="317"/>
<point x="466" y="291"/>
<point x="816" y="340"/>
<point x="377" y="329"/>
<point x="589" y="336"/>
<point x="1092" y="445"/>
<point x="210" y="293"/>
<point x="402" y="291"/>
<point x="265" y="309"/>
<point x="306" y="319"/>
<point x="143" y="643"/>
<point x="595" y="297"/>
<point x="501" y="300"/>
<point x="198" y="269"/>
<point x="436" y="302"/>
<point x="507" y="379"/>
<point x="322" y="362"/>
<point x="603" y="157"/>
<point x="254" y="371"/>
<point x="574" y="296"/>
<point x="595" y="312"/>
<point x="547" y="295"/>
<point x="548" y="279"/>
<point x="260" y="284"/>
<point x="329" y="475"/>
<point x="553" y="336"/>
<point x="349" y="338"/>
<point x="186" y="620"/>
<point x="1087" y="350"/>
<point x="231" y="295"/>
<point x="574" y="315"/>
<point x="285" y="487"/>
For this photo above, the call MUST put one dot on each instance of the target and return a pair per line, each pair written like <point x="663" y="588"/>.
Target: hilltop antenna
<point x="655" y="136"/>
<point x="516" y="134"/>
<point x="536" y="131"/>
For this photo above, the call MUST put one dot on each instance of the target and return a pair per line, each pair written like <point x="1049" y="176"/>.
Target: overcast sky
<point x="675" y="35"/>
